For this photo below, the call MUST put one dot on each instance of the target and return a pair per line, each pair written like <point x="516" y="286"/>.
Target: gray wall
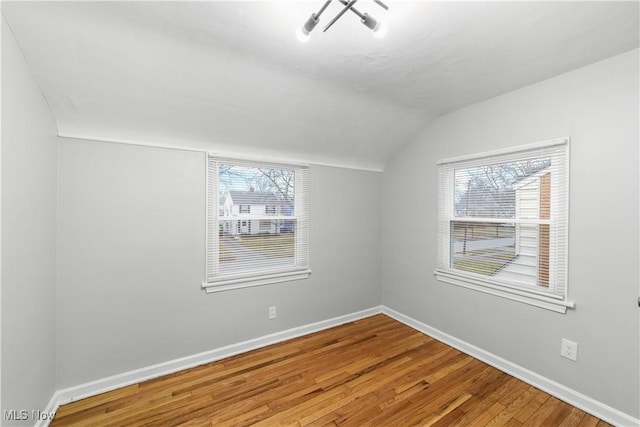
<point x="130" y="244"/>
<point x="597" y="107"/>
<point x="29" y="175"/>
<point x="131" y="260"/>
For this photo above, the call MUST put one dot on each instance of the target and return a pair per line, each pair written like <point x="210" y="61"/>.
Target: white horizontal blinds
<point x="504" y="217"/>
<point x="302" y="222"/>
<point x="212" y="220"/>
<point x="558" y="210"/>
<point x="445" y="212"/>
<point x="261" y="220"/>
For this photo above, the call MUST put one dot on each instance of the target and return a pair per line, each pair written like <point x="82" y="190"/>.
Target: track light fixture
<point x="369" y="21"/>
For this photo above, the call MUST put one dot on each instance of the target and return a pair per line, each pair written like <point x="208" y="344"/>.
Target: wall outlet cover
<point x="569" y="349"/>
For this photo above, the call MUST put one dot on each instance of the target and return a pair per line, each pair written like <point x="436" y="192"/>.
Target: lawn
<point x="478" y="266"/>
<point x="487" y="262"/>
<point x="479" y="231"/>
<point x="225" y="253"/>
<point x="270" y="245"/>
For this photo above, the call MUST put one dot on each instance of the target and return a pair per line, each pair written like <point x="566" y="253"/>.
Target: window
<point x="267" y="226"/>
<point x="503" y="223"/>
<point x="269" y="245"/>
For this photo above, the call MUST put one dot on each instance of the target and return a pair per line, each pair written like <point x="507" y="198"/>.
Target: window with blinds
<point x="257" y="223"/>
<point x="503" y="223"/>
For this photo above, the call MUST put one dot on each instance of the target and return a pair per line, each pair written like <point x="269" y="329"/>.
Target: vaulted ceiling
<point x="233" y="77"/>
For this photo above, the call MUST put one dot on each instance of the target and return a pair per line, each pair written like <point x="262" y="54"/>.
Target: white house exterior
<point x="251" y="212"/>
<point x="527" y="207"/>
<point x="532" y="240"/>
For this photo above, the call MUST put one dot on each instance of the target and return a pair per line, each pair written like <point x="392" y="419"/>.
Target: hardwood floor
<point x="375" y="371"/>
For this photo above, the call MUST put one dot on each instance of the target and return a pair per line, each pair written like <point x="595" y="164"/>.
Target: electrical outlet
<point x="272" y="312"/>
<point x="569" y="349"/>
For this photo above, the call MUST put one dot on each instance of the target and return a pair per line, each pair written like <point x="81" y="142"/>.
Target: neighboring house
<point x="248" y="212"/>
<point x="532" y="240"/>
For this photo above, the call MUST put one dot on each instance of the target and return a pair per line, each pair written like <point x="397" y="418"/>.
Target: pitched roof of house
<point x="255" y="198"/>
<point x="526" y="180"/>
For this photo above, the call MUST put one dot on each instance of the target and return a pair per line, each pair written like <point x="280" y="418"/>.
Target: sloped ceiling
<point x="232" y="76"/>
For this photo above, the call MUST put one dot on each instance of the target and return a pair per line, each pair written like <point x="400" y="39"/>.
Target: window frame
<point x="554" y="298"/>
<point x="214" y="281"/>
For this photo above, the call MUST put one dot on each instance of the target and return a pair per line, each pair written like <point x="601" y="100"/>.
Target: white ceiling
<point x="232" y="76"/>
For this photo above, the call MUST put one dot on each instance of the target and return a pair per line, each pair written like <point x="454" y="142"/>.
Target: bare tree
<point x="489" y="190"/>
<point x="281" y="182"/>
<point x="227" y="176"/>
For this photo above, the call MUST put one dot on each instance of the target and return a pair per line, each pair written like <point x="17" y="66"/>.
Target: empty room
<point x="328" y="213"/>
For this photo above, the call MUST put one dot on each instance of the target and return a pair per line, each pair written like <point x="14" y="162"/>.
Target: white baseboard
<point x="103" y="385"/>
<point x="48" y="412"/>
<point x="577" y="399"/>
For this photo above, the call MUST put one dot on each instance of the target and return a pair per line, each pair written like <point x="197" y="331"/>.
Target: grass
<point x="225" y="254"/>
<point x="270" y="245"/>
<point x="478" y="266"/>
<point x="487" y="262"/>
<point x="480" y="231"/>
<point x="502" y="254"/>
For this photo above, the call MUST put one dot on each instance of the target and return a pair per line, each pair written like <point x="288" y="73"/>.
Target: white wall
<point x="29" y="176"/>
<point x="131" y="260"/>
<point x="597" y="106"/>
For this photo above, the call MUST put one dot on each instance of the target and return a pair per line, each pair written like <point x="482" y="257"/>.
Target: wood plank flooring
<point x="372" y="372"/>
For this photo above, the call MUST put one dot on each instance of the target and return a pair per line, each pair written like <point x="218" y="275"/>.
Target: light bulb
<point x="302" y="34"/>
<point x="380" y="30"/>
<point x="304" y="31"/>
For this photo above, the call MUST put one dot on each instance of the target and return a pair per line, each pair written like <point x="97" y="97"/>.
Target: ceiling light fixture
<point x="369" y="21"/>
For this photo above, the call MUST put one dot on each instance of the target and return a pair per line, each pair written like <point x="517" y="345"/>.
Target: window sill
<point x="256" y="280"/>
<point x="547" y="302"/>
